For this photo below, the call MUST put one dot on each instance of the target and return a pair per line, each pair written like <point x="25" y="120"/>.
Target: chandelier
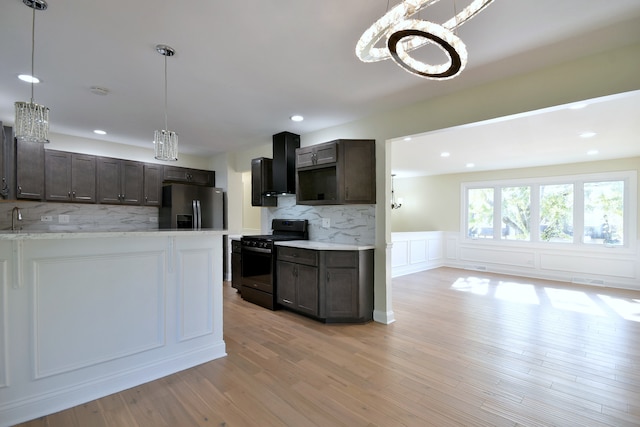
<point x="394" y="204"/>
<point x="165" y="141"/>
<point x="405" y="35"/>
<point x="32" y="120"/>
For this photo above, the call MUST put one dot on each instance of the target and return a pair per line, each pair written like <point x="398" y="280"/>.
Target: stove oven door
<point x="257" y="276"/>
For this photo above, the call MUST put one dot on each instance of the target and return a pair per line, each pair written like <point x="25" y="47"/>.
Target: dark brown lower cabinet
<point x="334" y="286"/>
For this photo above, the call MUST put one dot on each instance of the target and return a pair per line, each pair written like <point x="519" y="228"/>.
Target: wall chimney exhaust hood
<point x="284" y="163"/>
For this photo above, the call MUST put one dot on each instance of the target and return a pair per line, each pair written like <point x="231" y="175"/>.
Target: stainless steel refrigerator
<point x="191" y="207"/>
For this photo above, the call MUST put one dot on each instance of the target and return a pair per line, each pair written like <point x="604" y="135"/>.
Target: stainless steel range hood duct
<point x="284" y="162"/>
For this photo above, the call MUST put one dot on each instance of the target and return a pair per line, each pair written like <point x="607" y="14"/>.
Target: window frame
<point x="630" y="210"/>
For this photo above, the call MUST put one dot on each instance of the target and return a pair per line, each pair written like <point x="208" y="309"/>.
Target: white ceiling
<point x="597" y="129"/>
<point x="243" y="67"/>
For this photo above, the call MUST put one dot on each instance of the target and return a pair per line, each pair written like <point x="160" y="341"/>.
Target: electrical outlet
<point x="63" y="219"/>
<point x="326" y="222"/>
<point x="46" y="218"/>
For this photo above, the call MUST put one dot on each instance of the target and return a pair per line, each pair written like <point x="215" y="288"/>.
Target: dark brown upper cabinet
<point x="29" y="170"/>
<point x="120" y="181"/>
<point x="189" y="176"/>
<point x="336" y="173"/>
<point x="70" y="177"/>
<point x="152" y="185"/>
<point x="262" y="182"/>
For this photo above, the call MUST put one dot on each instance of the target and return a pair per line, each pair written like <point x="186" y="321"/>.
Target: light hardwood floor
<point x="467" y="349"/>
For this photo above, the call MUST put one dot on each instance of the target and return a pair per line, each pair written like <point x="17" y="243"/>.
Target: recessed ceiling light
<point x="408" y="138"/>
<point x="588" y="134"/>
<point x="28" y="78"/>
<point x="99" y="132"/>
<point x="297" y="118"/>
<point x="445" y="154"/>
<point x="470" y="165"/>
<point x="592" y="152"/>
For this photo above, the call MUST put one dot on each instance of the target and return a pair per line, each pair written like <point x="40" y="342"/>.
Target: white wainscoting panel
<point x="196" y="281"/>
<point x="122" y="309"/>
<point x="615" y="267"/>
<point x="400" y="254"/>
<point x="603" y="265"/>
<point x="416" y="251"/>
<point x="4" y="324"/>
<point x="485" y="255"/>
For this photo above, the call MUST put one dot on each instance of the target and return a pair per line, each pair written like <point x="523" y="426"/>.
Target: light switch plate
<point x="326" y="222"/>
<point x="63" y="219"/>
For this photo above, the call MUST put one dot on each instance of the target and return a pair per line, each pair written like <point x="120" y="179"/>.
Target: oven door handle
<point x="261" y="250"/>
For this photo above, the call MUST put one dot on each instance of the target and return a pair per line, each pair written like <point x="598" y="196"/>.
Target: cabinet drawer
<point x="341" y="258"/>
<point x="297" y="255"/>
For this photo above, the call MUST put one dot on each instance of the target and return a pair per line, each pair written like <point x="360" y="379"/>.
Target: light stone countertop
<point x="41" y="235"/>
<point x="323" y="246"/>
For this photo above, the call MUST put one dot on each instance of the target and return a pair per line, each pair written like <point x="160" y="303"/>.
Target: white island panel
<point x="196" y="294"/>
<point x="88" y="315"/>
<point x="122" y="310"/>
<point x="4" y="315"/>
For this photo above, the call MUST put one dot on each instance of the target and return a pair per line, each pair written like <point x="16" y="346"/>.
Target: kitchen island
<point x="87" y="314"/>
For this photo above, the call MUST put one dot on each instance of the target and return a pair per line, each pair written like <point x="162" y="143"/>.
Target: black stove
<point x="258" y="260"/>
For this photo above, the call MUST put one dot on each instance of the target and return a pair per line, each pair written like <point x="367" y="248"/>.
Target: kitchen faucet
<point x="13" y="217"/>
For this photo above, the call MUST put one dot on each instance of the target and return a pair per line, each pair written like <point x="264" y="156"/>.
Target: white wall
<point x="97" y="147"/>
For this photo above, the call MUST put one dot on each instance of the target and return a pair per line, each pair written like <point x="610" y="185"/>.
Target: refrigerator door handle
<point x="194" y="211"/>
<point x="199" y="215"/>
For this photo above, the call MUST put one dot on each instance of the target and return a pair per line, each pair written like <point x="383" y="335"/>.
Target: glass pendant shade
<point x="166" y="145"/>
<point x="32" y="122"/>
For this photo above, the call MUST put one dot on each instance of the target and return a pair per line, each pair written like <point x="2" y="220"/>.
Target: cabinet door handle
<point x="19" y="190"/>
<point x="74" y="194"/>
<point x="69" y="194"/>
<point x="287" y="301"/>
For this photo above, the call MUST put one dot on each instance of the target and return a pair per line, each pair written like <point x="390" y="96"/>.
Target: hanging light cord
<point x="166" y="127"/>
<point x="33" y="47"/>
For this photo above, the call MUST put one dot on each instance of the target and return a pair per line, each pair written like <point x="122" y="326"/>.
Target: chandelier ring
<point x="365" y="49"/>
<point x="427" y="32"/>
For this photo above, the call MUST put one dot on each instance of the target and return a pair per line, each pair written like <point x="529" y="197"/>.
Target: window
<point x="480" y="213"/>
<point x="591" y="210"/>
<point x="604" y="212"/>
<point x="556" y="213"/>
<point x="516" y="213"/>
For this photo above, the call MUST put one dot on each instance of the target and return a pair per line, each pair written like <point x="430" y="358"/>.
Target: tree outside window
<point x="516" y="213"/>
<point x="604" y="212"/>
<point x="556" y="213"/>
<point x="480" y="213"/>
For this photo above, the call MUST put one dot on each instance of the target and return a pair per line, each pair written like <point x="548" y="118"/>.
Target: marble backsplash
<point x="81" y="217"/>
<point x="349" y="224"/>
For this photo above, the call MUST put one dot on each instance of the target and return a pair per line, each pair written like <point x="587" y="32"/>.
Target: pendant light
<point x="394" y="204"/>
<point x="32" y="120"/>
<point x="165" y="141"/>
